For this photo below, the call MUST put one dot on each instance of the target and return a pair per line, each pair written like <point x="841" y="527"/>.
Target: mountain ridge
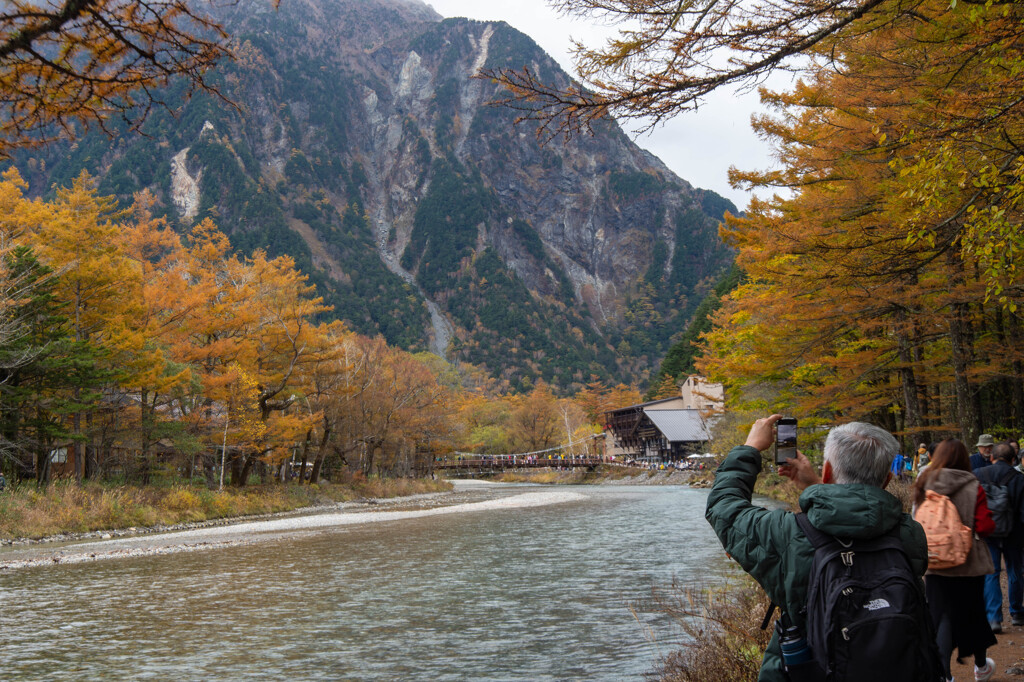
<point x="364" y="147"/>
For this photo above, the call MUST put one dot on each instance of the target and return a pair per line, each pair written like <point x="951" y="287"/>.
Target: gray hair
<point x="860" y="453"/>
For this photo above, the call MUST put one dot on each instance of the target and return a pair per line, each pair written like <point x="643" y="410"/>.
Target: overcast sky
<point x="699" y="146"/>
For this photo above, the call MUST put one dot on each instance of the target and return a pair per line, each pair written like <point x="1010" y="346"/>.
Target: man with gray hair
<point x="851" y="507"/>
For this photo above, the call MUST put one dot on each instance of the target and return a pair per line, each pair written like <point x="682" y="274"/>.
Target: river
<point x="517" y="583"/>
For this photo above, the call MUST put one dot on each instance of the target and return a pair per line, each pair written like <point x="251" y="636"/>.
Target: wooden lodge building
<point x="666" y="430"/>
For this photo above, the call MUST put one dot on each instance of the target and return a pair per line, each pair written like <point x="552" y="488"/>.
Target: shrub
<point x="181" y="500"/>
<point x="722" y="626"/>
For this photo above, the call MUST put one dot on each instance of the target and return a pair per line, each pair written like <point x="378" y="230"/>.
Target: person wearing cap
<point x="983" y="457"/>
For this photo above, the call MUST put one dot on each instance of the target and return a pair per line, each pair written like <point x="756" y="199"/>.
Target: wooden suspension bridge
<point x="483" y="465"/>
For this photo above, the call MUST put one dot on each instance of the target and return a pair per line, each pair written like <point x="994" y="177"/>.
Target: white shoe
<point x="984" y="674"/>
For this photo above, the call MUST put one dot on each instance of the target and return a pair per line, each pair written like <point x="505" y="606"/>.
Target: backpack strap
<point x="818" y="539"/>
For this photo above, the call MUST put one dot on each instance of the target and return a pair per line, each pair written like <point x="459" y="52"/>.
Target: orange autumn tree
<point x="867" y="290"/>
<point x="392" y="410"/>
<point x="211" y="335"/>
<point x="243" y="425"/>
<point x="156" y="253"/>
<point x="328" y="381"/>
<point x="100" y="291"/>
<point x="256" y="313"/>
<point x="70" y="64"/>
<point x="196" y="349"/>
<point x="284" y="340"/>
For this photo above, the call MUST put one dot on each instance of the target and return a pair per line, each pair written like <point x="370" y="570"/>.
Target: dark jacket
<point x="999" y="472"/>
<point x="979" y="461"/>
<point x="770" y="546"/>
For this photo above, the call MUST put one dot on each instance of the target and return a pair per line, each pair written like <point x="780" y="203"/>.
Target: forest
<point x="886" y="286"/>
<point x="134" y="354"/>
<point x="878" y="268"/>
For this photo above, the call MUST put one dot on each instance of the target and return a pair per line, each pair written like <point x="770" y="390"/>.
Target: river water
<point x="538" y="591"/>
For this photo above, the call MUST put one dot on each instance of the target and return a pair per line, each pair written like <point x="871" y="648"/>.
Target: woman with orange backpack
<point x="956" y="594"/>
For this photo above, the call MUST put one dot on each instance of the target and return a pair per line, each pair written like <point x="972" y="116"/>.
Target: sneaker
<point x="984" y="674"/>
<point x="1018" y="620"/>
<point x="996" y="626"/>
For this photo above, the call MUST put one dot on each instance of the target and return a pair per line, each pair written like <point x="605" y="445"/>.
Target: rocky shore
<point x="117" y="533"/>
<point x="152" y="541"/>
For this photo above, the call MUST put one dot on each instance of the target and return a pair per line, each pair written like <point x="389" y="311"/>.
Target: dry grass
<point x="377" y="487"/>
<point x="722" y="626"/>
<point x="65" y="507"/>
<point x="904" y="492"/>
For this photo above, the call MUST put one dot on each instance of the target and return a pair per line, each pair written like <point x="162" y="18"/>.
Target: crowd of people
<point x="865" y="589"/>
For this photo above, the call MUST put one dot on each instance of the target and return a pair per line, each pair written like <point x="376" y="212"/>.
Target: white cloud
<point x="699" y="146"/>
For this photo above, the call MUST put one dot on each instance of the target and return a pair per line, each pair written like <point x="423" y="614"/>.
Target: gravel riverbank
<point x="230" y="532"/>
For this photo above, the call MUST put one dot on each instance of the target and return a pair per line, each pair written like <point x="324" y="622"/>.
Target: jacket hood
<point x="948" y="481"/>
<point x="854" y="511"/>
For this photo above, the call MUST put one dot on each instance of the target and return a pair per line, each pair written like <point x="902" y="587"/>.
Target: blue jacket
<point x="979" y="461"/>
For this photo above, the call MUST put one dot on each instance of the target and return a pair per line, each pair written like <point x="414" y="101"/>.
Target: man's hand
<point x="762" y="433"/>
<point x="800" y="470"/>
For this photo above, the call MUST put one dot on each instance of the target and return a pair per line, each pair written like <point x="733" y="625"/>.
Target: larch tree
<point x="151" y="374"/>
<point x="72" y="64"/>
<point x="536" y="422"/>
<point x="284" y="339"/>
<point x="100" y="290"/>
<point x="668" y="55"/>
<point x="875" y="290"/>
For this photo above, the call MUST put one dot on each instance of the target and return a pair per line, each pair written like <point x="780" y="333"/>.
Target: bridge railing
<point x="509" y="462"/>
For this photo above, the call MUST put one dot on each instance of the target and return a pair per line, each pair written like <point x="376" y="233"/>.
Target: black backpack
<point x="1000" y="502"/>
<point x="867" y="619"/>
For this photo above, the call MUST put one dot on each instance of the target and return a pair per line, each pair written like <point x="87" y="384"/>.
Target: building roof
<point x="680" y="425"/>
<point x="662" y="404"/>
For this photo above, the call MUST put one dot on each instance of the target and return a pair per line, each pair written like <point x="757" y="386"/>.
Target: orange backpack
<point x="949" y="540"/>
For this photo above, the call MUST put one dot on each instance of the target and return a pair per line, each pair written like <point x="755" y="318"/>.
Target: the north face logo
<point x="876" y="604"/>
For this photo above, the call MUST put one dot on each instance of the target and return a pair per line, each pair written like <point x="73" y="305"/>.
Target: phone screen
<point x="785" y="440"/>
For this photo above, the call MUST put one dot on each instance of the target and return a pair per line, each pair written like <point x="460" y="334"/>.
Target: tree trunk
<point x="912" y="412"/>
<point x="147" y="426"/>
<point x="305" y="457"/>
<point x="965" y="405"/>
<point x="235" y="465"/>
<point x="1017" y="386"/>
<point x="92" y="459"/>
<point x="369" y="451"/>
<point x="43" y="467"/>
<point x="321" y="454"/>
<point x="79" y="447"/>
<point x="248" y="463"/>
<point x="209" y="462"/>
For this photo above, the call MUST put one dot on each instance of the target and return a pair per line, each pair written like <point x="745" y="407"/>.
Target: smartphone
<point x="785" y="440"/>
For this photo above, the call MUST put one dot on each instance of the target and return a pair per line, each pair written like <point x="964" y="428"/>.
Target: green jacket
<point x="770" y="546"/>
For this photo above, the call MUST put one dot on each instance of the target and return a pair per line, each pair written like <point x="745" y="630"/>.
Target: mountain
<point x="353" y="135"/>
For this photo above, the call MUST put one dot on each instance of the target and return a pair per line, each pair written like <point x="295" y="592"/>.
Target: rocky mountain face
<point x="355" y="137"/>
